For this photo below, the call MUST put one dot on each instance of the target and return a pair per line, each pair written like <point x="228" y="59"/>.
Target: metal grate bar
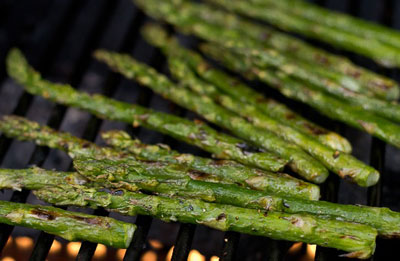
<point x="183" y="242"/>
<point x="230" y="246"/>
<point x="135" y="249"/>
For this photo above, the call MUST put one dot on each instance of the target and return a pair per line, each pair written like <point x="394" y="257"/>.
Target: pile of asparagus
<point x="338" y="29"/>
<point x="243" y="189"/>
<point x="191" y="189"/>
<point x="329" y="83"/>
<point x="133" y="178"/>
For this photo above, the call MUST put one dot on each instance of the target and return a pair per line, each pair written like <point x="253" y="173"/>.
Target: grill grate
<point x="58" y="38"/>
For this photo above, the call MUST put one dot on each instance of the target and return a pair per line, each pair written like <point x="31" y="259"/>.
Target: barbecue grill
<point x="58" y="37"/>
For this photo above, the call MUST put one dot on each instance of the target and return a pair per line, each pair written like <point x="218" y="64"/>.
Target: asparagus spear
<point x="340" y="21"/>
<point x="381" y="53"/>
<point x="380" y="85"/>
<point x="157" y="36"/>
<point x="383" y="219"/>
<point x="72" y="226"/>
<point x="345" y="165"/>
<point x="357" y="239"/>
<point x="331" y="107"/>
<point x="175" y="165"/>
<point x="197" y="133"/>
<point x="299" y="161"/>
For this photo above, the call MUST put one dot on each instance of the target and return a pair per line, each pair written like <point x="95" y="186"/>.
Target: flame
<point x="311" y="251"/>
<point x="149" y="256"/>
<point x="121" y="254"/>
<point x="169" y="255"/>
<point x="100" y="250"/>
<point x="195" y="255"/>
<point x="73" y="248"/>
<point x="214" y="258"/>
<point x="8" y="258"/>
<point x="296" y="247"/>
<point x="155" y="244"/>
<point x="55" y="247"/>
<point x="9" y="241"/>
<point x="24" y="242"/>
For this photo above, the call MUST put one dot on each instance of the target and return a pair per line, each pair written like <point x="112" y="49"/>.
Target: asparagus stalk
<point x="187" y="18"/>
<point x="381" y="53"/>
<point x="357" y="239"/>
<point x="345" y="165"/>
<point x="329" y="106"/>
<point x="299" y="160"/>
<point x="157" y="36"/>
<point x="176" y="165"/>
<point x="380" y="85"/>
<point x="72" y="226"/>
<point x="340" y="21"/>
<point x="197" y="133"/>
<point x="383" y="219"/>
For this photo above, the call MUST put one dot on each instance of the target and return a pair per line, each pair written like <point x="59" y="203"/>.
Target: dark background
<point x="59" y="36"/>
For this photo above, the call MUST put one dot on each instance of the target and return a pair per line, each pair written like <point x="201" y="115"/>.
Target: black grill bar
<point x="135" y="249"/>
<point x="183" y="242"/>
<point x="230" y="246"/>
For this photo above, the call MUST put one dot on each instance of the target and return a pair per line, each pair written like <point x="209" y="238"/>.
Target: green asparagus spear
<point x="381" y="53"/>
<point x="340" y="21"/>
<point x="380" y="85"/>
<point x="357" y="239"/>
<point x="329" y="106"/>
<point x="72" y="226"/>
<point x="299" y="161"/>
<point x="188" y="19"/>
<point x="157" y="36"/>
<point x="383" y="219"/>
<point x="345" y="165"/>
<point x="180" y="165"/>
<point x="197" y="133"/>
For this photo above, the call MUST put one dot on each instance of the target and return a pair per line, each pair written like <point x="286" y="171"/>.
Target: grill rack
<point x="58" y="38"/>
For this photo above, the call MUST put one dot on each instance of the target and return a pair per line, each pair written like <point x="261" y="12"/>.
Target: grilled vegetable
<point x="73" y="226"/>
<point x="299" y="161"/>
<point x="311" y="63"/>
<point x="379" y="85"/>
<point x="313" y="74"/>
<point x="196" y="133"/>
<point x="122" y="171"/>
<point x="329" y="106"/>
<point x="357" y="239"/>
<point x="383" y="219"/>
<point x="340" y="21"/>
<point x="165" y="161"/>
<point x="380" y="52"/>
<point x="344" y="165"/>
<point x="238" y="90"/>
